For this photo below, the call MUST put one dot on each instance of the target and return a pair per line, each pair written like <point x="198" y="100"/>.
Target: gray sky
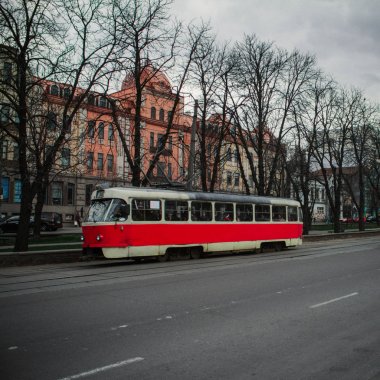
<point x="344" y="35"/>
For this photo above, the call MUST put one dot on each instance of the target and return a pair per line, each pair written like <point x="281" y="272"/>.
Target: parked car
<point x="50" y="221"/>
<point x="371" y="219"/>
<point x="11" y="224"/>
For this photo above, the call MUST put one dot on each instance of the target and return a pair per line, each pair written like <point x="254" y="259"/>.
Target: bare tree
<point x="360" y="146"/>
<point x="58" y="40"/>
<point x="269" y="82"/>
<point x="208" y="70"/>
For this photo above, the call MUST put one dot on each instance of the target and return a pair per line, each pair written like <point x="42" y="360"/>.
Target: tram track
<point x="50" y="279"/>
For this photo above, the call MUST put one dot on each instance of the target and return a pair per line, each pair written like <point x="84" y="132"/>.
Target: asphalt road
<point x="308" y="313"/>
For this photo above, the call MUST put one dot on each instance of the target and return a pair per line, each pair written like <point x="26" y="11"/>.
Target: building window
<point x="228" y="155"/>
<point x="91" y="129"/>
<point x="51" y="120"/>
<point x="91" y="99"/>
<point x="162" y="115"/>
<point x="110" y="133"/>
<point x="5" y="113"/>
<point x="54" y="90"/>
<point x="236" y="154"/>
<point x="67" y="124"/>
<point x="100" y="161"/>
<point x="103" y="102"/>
<point x="229" y="178"/>
<point x="65" y="158"/>
<point x="161" y="169"/>
<point x="151" y="140"/>
<point x="110" y="163"/>
<point x="170" y="146"/>
<point x="66" y="93"/>
<point x="88" y="194"/>
<point x="16" y="152"/>
<point x="153" y="113"/>
<point x="5" y="188"/>
<point x="101" y="131"/>
<point x="4" y="150"/>
<point x="90" y="160"/>
<point x="7" y="72"/>
<point x="70" y="194"/>
<point x="170" y="171"/>
<point x="17" y="190"/>
<point x="56" y="193"/>
<point x="160" y="142"/>
<point x="236" y="179"/>
<point x="169" y="115"/>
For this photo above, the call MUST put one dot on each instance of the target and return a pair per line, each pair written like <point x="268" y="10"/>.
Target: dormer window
<point x="54" y="90"/>
<point x="66" y="93"/>
<point x="103" y="102"/>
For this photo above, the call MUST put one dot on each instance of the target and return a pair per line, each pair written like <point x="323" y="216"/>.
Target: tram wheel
<point x="196" y="253"/>
<point x="163" y="258"/>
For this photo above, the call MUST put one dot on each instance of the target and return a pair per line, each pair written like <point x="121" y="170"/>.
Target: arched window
<point x="162" y="114"/>
<point x="153" y="113"/>
<point x="54" y="90"/>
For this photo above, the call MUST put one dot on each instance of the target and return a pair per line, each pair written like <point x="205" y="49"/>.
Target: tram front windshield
<point x="107" y="210"/>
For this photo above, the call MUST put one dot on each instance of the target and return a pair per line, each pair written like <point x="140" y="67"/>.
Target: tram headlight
<point x="99" y="237"/>
<point x="81" y="238"/>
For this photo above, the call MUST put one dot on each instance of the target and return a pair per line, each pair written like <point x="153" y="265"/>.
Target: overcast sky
<point x="344" y="35"/>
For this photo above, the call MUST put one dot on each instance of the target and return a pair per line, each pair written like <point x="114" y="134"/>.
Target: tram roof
<point x="147" y="193"/>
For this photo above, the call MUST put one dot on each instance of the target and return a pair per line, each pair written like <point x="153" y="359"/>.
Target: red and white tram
<point x="143" y="222"/>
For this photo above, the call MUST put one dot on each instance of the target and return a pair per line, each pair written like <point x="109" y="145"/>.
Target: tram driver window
<point x="118" y="210"/>
<point x="201" y="211"/>
<point x="146" y="210"/>
<point x="176" y="211"/>
<point x="262" y="213"/>
<point x="224" y="212"/>
<point x="292" y="214"/>
<point x="278" y="213"/>
<point x="244" y="213"/>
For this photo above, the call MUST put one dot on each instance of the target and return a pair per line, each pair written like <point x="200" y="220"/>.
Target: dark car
<point x="51" y="221"/>
<point x="11" y="224"/>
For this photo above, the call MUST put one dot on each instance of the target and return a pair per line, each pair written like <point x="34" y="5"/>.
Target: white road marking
<point x="334" y="300"/>
<point x="102" y="369"/>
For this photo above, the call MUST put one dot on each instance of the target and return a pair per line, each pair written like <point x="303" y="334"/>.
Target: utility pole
<point x="190" y="170"/>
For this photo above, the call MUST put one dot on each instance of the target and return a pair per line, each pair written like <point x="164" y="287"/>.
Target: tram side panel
<point x="130" y="240"/>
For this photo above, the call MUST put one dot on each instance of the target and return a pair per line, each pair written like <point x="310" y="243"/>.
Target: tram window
<point x="300" y="215"/>
<point x="117" y="211"/>
<point x="279" y="213"/>
<point x="146" y="209"/>
<point x="262" y="213"/>
<point x="224" y="212"/>
<point x="201" y="211"/>
<point x="292" y="214"/>
<point x="244" y="213"/>
<point x="176" y="210"/>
